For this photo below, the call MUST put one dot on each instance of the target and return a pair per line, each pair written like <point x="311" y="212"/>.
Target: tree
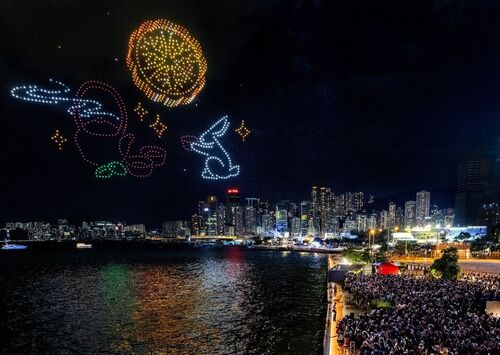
<point x="446" y="266"/>
<point x="356" y="256"/>
<point x="463" y="236"/>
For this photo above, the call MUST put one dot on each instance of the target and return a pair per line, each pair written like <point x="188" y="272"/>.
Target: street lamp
<point x="371" y="234"/>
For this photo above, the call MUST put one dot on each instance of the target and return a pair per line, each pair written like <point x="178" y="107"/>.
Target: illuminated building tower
<point x="361" y="222"/>
<point x="449" y="215"/>
<point x="473" y="189"/>
<point x="250" y="220"/>
<point x="436" y="215"/>
<point x="295" y="230"/>
<point x="195" y="228"/>
<point x="326" y="209"/>
<point x="410" y="211"/>
<point x="210" y="215"/>
<point x="400" y="217"/>
<point x="305" y="212"/>
<point x="212" y="202"/>
<point x="354" y="201"/>
<point x="282" y="217"/>
<point x="358" y="201"/>
<point x="232" y="203"/>
<point x="251" y="209"/>
<point x="239" y="226"/>
<point x="384" y="219"/>
<point x="371" y="221"/>
<point x="391" y="215"/>
<point x="252" y="201"/>
<point x="268" y="223"/>
<point x="340" y="206"/>
<point x="175" y="229"/>
<point x="314" y="218"/>
<point x="314" y="197"/>
<point x="423" y="202"/>
<point x="221" y="218"/>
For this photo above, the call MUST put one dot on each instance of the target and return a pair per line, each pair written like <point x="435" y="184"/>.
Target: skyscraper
<point x="473" y="189"/>
<point x="282" y="217"/>
<point x="391" y="215"/>
<point x="305" y="212"/>
<point x="410" y="211"/>
<point x="400" y="217"/>
<point x="210" y="215"/>
<point x="221" y="218"/>
<point x="250" y="219"/>
<point x="232" y="215"/>
<point x="423" y="201"/>
<point x="314" y="222"/>
<point x="384" y="219"/>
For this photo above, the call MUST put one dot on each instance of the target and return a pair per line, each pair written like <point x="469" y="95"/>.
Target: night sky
<point x="380" y="96"/>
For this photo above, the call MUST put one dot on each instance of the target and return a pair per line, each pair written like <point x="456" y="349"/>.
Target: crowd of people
<point x="426" y="316"/>
<point x="489" y="282"/>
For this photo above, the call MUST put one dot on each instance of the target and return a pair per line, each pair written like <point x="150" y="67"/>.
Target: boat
<point x="83" y="246"/>
<point x="8" y="246"/>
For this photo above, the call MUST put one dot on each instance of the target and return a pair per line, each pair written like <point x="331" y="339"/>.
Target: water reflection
<point x="119" y="301"/>
<point x="193" y="302"/>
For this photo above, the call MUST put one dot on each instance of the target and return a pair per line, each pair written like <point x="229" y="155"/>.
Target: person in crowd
<point x="427" y="316"/>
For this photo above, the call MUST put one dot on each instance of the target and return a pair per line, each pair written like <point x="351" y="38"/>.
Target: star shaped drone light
<point x="243" y="131"/>
<point x="158" y="126"/>
<point x="58" y="139"/>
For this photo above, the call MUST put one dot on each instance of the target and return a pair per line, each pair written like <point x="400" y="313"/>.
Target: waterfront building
<point x="282" y="217"/>
<point x="250" y="219"/>
<point x="175" y="229"/>
<point x="305" y="214"/>
<point x="295" y="227"/>
<point x="268" y="223"/>
<point x="221" y="218"/>
<point x="234" y="212"/>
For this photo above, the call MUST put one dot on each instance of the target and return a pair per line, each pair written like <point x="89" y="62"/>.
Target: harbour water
<point x="198" y="301"/>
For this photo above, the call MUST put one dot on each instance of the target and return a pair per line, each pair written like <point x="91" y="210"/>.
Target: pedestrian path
<point x="338" y="306"/>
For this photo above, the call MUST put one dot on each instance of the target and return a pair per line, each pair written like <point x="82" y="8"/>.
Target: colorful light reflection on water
<point x="197" y="301"/>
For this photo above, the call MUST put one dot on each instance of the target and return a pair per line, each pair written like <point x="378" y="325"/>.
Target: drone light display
<point x="166" y="62"/>
<point x="95" y="128"/>
<point x="111" y="169"/>
<point x="140" y="111"/>
<point x="158" y="126"/>
<point x="86" y="107"/>
<point x="243" y="131"/>
<point x="58" y="139"/>
<point x="218" y="164"/>
<point x="187" y="140"/>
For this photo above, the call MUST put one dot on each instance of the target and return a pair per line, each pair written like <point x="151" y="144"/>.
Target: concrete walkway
<point x="338" y="306"/>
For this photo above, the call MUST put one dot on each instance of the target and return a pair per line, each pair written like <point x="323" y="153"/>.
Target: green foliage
<point x="356" y="256"/>
<point x="380" y="304"/>
<point x="379" y="257"/>
<point x="463" y="236"/>
<point x="384" y="246"/>
<point x="446" y="266"/>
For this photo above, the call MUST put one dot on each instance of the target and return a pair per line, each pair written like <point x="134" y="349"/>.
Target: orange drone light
<point x="166" y="62"/>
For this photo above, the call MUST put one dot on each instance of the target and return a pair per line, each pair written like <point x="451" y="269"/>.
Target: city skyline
<point x="318" y="112"/>
<point x="323" y="213"/>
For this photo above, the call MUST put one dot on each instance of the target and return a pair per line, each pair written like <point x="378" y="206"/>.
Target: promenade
<point x="338" y="306"/>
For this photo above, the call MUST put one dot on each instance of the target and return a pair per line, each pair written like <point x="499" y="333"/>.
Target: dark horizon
<point x="384" y="98"/>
